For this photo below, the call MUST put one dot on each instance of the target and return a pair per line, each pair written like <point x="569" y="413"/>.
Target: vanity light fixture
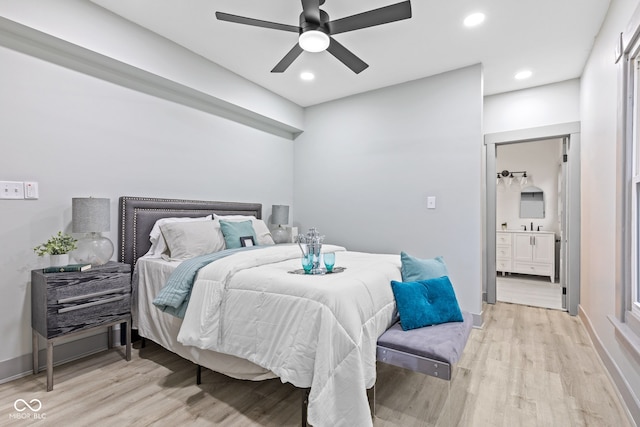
<point x="512" y="180"/>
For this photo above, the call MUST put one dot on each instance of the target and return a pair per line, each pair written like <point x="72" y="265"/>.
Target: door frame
<point x="571" y="132"/>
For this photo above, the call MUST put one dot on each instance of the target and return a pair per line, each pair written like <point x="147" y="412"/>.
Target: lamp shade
<point x="279" y="214"/>
<point x="90" y="214"/>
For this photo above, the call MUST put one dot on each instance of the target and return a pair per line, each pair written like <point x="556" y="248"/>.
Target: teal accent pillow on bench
<point x="426" y="302"/>
<point x="421" y="269"/>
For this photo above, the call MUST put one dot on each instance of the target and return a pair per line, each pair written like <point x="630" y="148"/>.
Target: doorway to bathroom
<point x="547" y="258"/>
<point x="528" y="221"/>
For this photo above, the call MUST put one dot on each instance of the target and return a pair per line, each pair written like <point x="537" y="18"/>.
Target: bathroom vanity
<point x="526" y="252"/>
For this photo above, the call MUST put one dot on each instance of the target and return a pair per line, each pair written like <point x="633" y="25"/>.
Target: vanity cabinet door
<point x="522" y="247"/>
<point x="543" y="248"/>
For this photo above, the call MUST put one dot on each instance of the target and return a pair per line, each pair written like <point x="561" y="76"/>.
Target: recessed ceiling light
<point x="524" y="74"/>
<point x="474" y="19"/>
<point x="307" y="76"/>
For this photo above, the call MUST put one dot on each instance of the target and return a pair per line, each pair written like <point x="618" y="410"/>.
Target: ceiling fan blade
<point x="256" y="22"/>
<point x="311" y="11"/>
<point x="345" y="56"/>
<point x="288" y="59"/>
<point x="383" y="15"/>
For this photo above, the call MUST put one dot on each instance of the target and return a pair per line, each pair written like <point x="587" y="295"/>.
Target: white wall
<point x="541" y="160"/>
<point x="90" y="26"/>
<point x="599" y="110"/>
<point x="366" y="164"/>
<point x="80" y="136"/>
<point x="534" y="107"/>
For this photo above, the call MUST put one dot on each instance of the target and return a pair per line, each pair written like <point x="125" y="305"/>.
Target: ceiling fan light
<point x="314" y="41"/>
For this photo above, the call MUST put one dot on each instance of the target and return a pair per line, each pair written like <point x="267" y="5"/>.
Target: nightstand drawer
<point x="85" y="314"/>
<point x="85" y="285"/>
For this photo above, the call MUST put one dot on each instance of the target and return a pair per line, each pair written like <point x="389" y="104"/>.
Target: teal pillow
<point x="426" y="302"/>
<point x="234" y="230"/>
<point x="414" y="269"/>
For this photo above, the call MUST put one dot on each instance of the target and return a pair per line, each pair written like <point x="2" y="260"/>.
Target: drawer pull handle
<point x="93" y="295"/>
<point x="91" y="304"/>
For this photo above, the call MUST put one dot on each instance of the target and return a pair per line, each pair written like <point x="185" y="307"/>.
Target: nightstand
<point x="65" y="304"/>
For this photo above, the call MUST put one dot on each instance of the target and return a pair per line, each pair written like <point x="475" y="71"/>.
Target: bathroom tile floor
<point x="529" y="290"/>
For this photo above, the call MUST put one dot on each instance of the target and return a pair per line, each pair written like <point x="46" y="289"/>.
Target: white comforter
<point x="311" y="331"/>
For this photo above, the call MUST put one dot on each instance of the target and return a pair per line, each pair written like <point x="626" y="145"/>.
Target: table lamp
<point x="91" y="215"/>
<point x="279" y="216"/>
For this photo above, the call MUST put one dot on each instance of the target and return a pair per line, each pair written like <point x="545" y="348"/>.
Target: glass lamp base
<point x="93" y="249"/>
<point x="280" y="235"/>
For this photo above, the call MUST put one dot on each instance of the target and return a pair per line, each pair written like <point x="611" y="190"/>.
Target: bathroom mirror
<point x="531" y="202"/>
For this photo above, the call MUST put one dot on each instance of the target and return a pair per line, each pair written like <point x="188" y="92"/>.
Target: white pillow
<point x="262" y="231"/>
<point x="158" y="244"/>
<point x="191" y="238"/>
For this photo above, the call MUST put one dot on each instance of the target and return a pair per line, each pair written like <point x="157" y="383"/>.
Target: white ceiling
<point x="552" y="38"/>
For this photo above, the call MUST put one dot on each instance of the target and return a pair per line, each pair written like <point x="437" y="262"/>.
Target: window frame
<point x="628" y="182"/>
<point x="632" y="64"/>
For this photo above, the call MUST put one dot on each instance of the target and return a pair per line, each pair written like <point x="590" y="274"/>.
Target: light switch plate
<point x="31" y="190"/>
<point x="11" y="190"/>
<point x="431" y="202"/>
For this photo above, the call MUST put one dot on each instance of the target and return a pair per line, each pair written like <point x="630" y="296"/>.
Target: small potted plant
<point x="58" y="248"/>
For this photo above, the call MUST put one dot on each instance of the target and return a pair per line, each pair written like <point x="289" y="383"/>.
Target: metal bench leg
<point x="305" y="404"/>
<point x="371" y="395"/>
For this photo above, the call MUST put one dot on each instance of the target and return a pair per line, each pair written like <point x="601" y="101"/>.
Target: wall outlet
<point x="11" y="190"/>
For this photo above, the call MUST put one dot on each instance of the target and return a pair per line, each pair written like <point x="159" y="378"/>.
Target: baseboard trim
<point x="478" y="320"/>
<point x="22" y="366"/>
<point x="624" y="391"/>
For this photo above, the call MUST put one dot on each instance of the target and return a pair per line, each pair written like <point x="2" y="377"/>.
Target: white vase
<point x="59" y="260"/>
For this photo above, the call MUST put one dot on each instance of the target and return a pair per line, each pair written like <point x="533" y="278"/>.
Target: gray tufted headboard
<point x="137" y="215"/>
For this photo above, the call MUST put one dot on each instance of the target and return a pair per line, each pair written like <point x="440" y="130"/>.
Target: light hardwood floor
<point x="527" y="367"/>
<point x="536" y="291"/>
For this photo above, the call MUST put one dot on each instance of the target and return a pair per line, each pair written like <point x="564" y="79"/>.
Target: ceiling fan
<point x="316" y="30"/>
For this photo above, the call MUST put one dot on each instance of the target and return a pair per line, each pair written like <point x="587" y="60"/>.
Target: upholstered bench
<point x="432" y="350"/>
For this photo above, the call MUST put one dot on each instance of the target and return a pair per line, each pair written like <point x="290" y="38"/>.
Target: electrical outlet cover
<point x="11" y="190"/>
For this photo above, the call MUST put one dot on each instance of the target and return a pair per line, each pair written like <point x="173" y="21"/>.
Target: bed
<point x="249" y="318"/>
